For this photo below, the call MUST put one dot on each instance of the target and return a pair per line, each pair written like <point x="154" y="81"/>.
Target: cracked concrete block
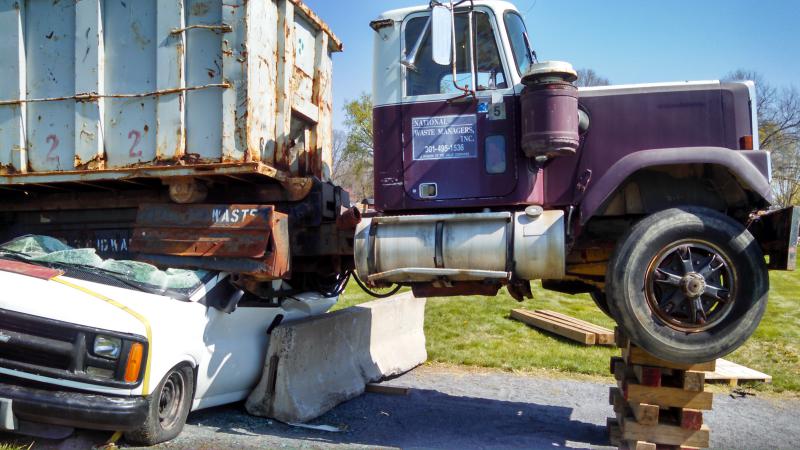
<point x="314" y="364"/>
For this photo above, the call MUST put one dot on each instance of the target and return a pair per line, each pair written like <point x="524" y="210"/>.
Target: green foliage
<point x="477" y="331"/>
<point x="358" y="119"/>
<point x="353" y="166"/>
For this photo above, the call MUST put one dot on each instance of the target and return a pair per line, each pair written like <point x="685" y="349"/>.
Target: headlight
<point x="107" y="347"/>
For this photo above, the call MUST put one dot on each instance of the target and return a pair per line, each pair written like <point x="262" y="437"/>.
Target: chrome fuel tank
<point x="461" y="247"/>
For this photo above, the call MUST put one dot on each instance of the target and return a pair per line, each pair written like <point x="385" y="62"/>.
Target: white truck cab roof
<point x="389" y="47"/>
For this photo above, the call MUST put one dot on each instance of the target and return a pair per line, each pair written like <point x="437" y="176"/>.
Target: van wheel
<point x="169" y="406"/>
<point x="688" y="284"/>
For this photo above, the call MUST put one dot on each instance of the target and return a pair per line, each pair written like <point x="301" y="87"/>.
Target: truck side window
<point x="495" y="149"/>
<point x="520" y="45"/>
<point x="431" y="78"/>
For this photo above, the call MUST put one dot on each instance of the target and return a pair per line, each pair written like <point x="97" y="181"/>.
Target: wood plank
<point x="545" y="323"/>
<point x="386" y="389"/>
<point x="620" y="339"/>
<point x="647" y="375"/>
<point x="567" y="323"/>
<point x="664" y="434"/>
<point x="623" y="372"/>
<point x="604" y="335"/>
<point x="645" y="414"/>
<point x="615" y="399"/>
<point x="691" y="419"/>
<point x="614" y="431"/>
<point x="732" y="372"/>
<point x="665" y="396"/>
<point x="694" y="380"/>
<point x="635" y="355"/>
<point x="640" y="445"/>
<point x="613" y="364"/>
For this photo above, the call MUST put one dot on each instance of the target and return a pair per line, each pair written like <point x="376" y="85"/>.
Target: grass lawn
<point x="477" y="331"/>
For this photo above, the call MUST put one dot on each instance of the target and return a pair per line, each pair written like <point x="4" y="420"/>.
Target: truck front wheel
<point x="688" y="284"/>
<point x="169" y="405"/>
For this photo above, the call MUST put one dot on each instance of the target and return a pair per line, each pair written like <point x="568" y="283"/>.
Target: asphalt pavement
<point x="460" y="409"/>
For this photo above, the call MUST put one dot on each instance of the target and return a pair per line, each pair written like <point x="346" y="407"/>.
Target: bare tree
<point x="778" y="111"/>
<point x="786" y="174"/>
<point x="588" y="78"/>
<point x="339" y="156"/>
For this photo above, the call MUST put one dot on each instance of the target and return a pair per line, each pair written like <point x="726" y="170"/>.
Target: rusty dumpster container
<point x="111" y="112"/>
<point x="93" y="91"/>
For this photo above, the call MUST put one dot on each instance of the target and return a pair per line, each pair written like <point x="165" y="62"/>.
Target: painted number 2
<point x="51" y="155"/>
<point x="137" y="137"/>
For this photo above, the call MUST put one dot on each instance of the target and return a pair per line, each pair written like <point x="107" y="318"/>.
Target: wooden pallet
<point x="732" y="373"/>
<point x="658" y="404"/>
<point x="569" y="327"/>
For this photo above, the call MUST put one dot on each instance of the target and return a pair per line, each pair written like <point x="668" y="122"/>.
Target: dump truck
<point x="196" y="135"/>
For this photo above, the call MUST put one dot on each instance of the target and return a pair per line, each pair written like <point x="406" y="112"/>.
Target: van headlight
<point x="107" y="347"/>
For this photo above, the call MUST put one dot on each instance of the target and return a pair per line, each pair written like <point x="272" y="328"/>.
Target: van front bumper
<point x="74" y="409"/>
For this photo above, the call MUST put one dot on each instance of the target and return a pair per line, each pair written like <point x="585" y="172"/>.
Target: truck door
<point x="455" y="146"/>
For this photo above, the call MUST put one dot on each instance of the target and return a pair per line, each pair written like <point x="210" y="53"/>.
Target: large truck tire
<point x="688" y="284"/>
<point x="601" y="301"/>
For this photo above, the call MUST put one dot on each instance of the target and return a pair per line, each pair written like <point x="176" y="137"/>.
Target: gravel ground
<point x="451" y="408"/>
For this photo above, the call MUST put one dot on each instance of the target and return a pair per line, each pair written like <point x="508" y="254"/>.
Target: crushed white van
<point x="121" y="345"/>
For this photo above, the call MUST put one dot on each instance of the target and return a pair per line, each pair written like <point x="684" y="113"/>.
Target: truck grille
<point x="58" y="349"/>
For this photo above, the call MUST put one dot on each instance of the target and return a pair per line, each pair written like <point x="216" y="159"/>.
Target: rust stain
<point x="206" y="234"/>
<point x="336" y="44"/>
<point x="200" y="9"/>
<point x="138" y="36"/>
<point x="8" y="169"/>
<point x="98" y="162"/>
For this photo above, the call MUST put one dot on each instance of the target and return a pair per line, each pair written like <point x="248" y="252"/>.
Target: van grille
<point x="58" y="349"/>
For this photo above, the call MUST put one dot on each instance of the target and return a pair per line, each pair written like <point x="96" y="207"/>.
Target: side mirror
<point x="442" y="35"/>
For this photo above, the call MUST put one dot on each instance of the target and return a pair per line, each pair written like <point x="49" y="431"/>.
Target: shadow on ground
<point x="423" y="418"/>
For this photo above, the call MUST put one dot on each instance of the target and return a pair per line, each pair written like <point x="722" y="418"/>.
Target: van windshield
<point x="48" y="251"/>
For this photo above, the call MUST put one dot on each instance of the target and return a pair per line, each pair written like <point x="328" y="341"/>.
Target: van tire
<point x="168" y="407"/>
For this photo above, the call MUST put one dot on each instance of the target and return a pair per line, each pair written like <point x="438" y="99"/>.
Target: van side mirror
<point x="442" y="35"/>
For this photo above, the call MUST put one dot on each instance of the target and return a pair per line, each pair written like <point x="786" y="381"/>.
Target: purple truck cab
<point x="494" y="170"/>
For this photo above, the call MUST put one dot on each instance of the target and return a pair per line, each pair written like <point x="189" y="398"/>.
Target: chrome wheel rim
<point x="690" y="285"/>
<point x="169" y="400"/>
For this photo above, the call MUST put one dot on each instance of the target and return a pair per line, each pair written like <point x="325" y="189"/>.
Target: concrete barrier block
<point x="314" y="364"/>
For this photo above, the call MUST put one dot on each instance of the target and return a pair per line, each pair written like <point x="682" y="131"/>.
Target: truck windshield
<point x="431" y="78"/>
<point x="49" y="251"/>
<point x="520" y="44"/>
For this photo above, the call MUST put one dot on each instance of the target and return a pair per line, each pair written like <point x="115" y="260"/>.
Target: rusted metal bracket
<point x="221" y="28"/>
<point x="92" y="96"/>
<point x="249" y="240"/>
<point x="297" y="188"/>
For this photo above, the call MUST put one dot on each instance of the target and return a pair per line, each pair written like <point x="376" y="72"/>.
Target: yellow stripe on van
<point x="139" y="317"/>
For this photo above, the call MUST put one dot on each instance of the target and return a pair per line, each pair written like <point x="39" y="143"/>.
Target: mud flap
<point x="777" y="234"/>
<point x="8" y="421"/>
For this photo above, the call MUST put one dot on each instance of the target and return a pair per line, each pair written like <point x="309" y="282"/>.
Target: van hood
<point x="74" y="301"/>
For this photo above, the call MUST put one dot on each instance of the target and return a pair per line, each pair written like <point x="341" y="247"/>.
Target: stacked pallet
<point x="658" y="404"/>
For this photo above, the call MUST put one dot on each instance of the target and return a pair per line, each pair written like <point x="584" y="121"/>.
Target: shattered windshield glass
<point x="48" y="250"/>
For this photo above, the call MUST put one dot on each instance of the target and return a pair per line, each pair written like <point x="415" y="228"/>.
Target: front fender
<point x="751" y="167"/>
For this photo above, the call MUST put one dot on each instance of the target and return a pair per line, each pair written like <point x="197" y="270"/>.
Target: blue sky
<point x="627" y="41"/>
